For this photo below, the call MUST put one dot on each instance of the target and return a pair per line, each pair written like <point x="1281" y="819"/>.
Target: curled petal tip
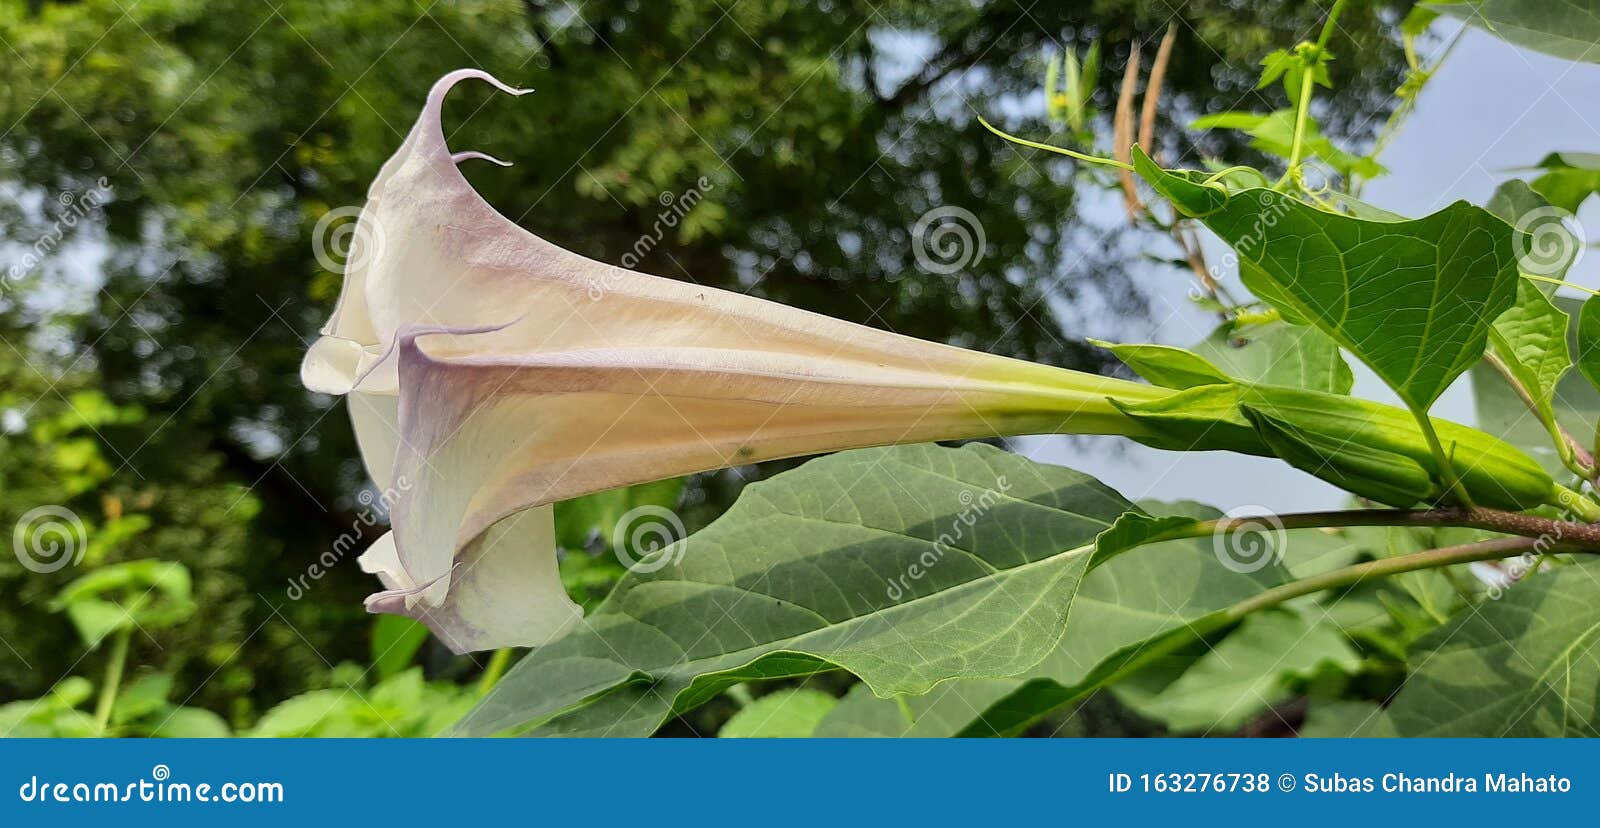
<point x="446" y="83"/>
<point x="480" y="156"/>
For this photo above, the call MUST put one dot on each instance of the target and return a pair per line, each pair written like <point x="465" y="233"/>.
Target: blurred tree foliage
<point x="155" y="347"/>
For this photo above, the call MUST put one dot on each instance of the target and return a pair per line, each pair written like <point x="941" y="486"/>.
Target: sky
<point x="1489" y="110"/>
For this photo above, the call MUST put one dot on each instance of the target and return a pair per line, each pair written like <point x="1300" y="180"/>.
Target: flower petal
<point x="505" y="592"/>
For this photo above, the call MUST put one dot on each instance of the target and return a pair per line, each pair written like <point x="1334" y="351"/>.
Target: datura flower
<point x="491" y="374"/>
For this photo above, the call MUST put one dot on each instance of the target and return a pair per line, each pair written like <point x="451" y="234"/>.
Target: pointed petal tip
<point x="471" y="155"/>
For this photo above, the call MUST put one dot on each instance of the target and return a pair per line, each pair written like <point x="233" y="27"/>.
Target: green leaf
<point x="907" y="566"/>
<point x="1167" y="366"/>
<point x="395" y="641"/>
<point x="302" y="714"/>
<point x="1569" y="180"/>
<point x="147" y="594"/>
<point x="191" y="723"/>
<point x="1568" y="29"/>
<point x="945" y="711"/>
<point x="1278" y="353"/>
<point x="1412" y="299"/>
<point x="1524" y="665"/>
<point x="1134" y="608"/>
<point x="1344" y="719"/>
<point x="792" y="713"/>
<point x="1246" y="673"/>
<point x="1575" y="403"/>
<point x="1274" y="353"/>
<point x="142" y="697"/>
<point x="1588" y="356"/>
<point x="1530" y="340"/>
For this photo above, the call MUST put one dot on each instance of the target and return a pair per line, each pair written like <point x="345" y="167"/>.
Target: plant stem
<point x="113" y="681"/>
<point x="1093" y="159"/>
<point x="1573" y="455"/>
<point x="1577" y="504"/>
<point x="1492" y="520"/>
<point x="494" y="670"/>
<point x="1351" y="575"/>
<point x="1302" y="114"/>
<point x="1447" y="470"/>
<point x="1327" y="25"/>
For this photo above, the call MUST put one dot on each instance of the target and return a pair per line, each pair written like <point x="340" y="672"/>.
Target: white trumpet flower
<point x="491" y="374"/>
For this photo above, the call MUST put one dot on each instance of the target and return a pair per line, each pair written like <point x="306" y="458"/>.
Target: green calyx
<point x="1373" y="450"/>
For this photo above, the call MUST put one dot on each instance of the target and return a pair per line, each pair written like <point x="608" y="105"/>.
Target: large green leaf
<point x="1278" y="353"/>
<point x="1569" y="178"/>
<point x="1133" y="608"/>
<point x="907" y="566"/>
<point x="1246" y="673"/>
<point x="1530" y="340"/>
<point x="1588" y="355"/>
<point x="1575" y="403"/>
<point x="1524" y="665"/>
<point x="1411" y="299"/>
<point x="1565" y="28"/>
